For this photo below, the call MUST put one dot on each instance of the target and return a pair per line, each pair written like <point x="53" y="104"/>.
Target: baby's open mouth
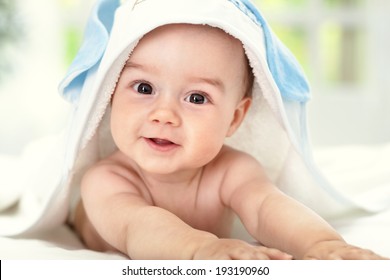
<point x="161" y="142"/>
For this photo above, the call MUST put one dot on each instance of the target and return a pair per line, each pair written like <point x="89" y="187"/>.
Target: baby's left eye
<point x="197" y="98"/>
<point x="143" y="88"/>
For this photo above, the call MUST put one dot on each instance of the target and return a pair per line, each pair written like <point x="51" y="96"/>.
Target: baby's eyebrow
<point x="131" y="64"/>
<point x="215" y="82"/>
<point x="142" y="67"/>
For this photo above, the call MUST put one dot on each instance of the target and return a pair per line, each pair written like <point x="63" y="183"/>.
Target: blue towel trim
<point x="96" y="36"/>
<point x="284" y="67"/>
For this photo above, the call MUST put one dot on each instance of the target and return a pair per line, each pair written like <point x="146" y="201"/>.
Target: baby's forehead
<point x="212" y="45"/>
<point x="202" y="36"/>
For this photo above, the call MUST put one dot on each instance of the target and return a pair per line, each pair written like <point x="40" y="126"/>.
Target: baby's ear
<point x="239" y="115"/>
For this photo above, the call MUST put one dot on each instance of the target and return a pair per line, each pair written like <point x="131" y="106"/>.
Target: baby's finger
<point x="275" y="254"/>
<point x="355" y="254"/>
<point x="248" y="253"/>
<point x="255" y="255"/>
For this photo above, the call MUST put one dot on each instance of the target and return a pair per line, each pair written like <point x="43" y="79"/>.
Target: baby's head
<point x="184" y="88"/>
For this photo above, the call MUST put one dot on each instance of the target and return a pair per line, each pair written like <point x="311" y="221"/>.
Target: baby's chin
<point x="169" y="170"/>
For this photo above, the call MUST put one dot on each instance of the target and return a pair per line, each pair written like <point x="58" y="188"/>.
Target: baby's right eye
<point x="143" y="88"/>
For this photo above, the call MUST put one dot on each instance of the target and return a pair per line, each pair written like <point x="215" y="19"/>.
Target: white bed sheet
<point x="352" y="165"/>
<point x="356" y="166"/>
<point x="60" y="243"/>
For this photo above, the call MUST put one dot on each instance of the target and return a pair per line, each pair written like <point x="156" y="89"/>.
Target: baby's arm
<point x="127" y="222"/>
<point x="123" y="218"/>
<point x="278" y="221"/>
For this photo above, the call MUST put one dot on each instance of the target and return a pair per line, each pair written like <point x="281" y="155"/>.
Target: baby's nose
<point x="165" y="113"/>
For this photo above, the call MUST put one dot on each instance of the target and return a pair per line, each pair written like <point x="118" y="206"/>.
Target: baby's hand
<point x="339" y="250"/>
<point x="233" y="249"/>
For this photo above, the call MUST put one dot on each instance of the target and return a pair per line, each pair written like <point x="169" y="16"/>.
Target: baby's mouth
<point x="160" y="144"/>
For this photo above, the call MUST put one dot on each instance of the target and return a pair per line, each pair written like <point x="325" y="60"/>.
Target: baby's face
<point x="178" y="97"/>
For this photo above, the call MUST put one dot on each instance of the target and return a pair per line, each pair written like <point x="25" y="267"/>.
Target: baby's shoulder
<point x="114" y="172"/>
<point x="232" y="163"/>
<point x="239" y="171"/>
<point x="115" y="165"/>
<point x="230" y="157"/>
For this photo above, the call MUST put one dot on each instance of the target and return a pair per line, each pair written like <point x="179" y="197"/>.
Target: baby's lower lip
<point x="161" y="144"/>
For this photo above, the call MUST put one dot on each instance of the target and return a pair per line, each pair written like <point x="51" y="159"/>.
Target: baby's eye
<point x="143" y="88"/>
<point x="197" y="98"/>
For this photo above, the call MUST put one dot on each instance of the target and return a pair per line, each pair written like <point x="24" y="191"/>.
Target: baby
<point x="172" y="188"/>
